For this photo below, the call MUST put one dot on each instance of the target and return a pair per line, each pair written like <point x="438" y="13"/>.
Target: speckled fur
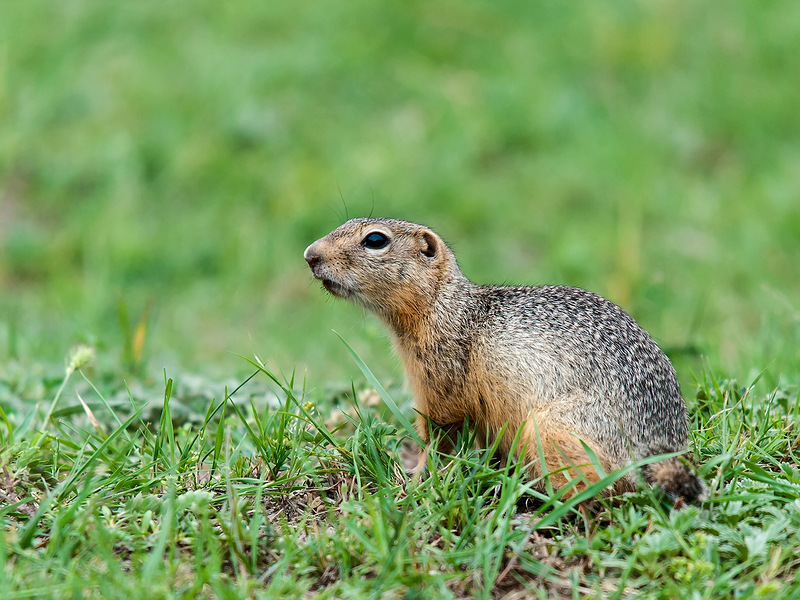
<point x="562" y="364"/>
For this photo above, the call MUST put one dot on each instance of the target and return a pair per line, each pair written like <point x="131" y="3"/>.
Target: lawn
<point x="162" y="168"/>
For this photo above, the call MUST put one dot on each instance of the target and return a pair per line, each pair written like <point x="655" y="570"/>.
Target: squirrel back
<point x="563" y="365"/>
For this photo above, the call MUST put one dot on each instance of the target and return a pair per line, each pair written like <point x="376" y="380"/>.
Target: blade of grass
<point x="320" y="427"/>
<point x="8" y="427"/>
<point x="387" y="399"/>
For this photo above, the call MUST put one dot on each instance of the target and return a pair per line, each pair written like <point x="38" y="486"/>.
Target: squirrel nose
<point x="311" y="256"/>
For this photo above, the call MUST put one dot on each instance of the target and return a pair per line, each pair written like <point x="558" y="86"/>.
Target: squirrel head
<point x="393" y="268"/>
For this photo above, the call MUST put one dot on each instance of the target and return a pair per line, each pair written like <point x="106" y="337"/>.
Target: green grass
<point x="263" y="496"/>
<point x="162" y="168"/>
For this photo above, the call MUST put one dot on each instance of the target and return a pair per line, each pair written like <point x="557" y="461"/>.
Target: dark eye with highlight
<point x="375" y="241"/>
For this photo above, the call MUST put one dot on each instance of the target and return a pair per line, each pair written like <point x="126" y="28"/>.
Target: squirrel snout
<point x="311" y="256"/>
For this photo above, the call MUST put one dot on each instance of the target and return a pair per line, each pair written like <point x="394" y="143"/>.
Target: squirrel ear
<point x="428" y="245"/>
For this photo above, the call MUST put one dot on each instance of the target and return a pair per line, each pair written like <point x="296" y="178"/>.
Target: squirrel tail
<point x="676" y="478"/>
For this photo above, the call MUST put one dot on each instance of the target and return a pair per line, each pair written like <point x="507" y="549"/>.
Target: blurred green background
<point x="181" y="155"/>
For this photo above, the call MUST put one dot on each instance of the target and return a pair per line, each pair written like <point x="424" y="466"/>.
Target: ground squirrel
<point x="561" y="364"/>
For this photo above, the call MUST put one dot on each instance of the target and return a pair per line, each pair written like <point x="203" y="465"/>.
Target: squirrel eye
<point x="375" y="241"/>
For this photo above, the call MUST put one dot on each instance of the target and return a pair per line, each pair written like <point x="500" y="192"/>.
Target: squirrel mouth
<point x="334" y="288"/>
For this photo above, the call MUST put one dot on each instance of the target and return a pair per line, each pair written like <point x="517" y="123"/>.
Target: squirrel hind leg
<point x="566" y="461"/>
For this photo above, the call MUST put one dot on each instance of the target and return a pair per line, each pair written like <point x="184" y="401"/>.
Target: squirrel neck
<point x="433" y="315"/>
<point x="434" y="340"/>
